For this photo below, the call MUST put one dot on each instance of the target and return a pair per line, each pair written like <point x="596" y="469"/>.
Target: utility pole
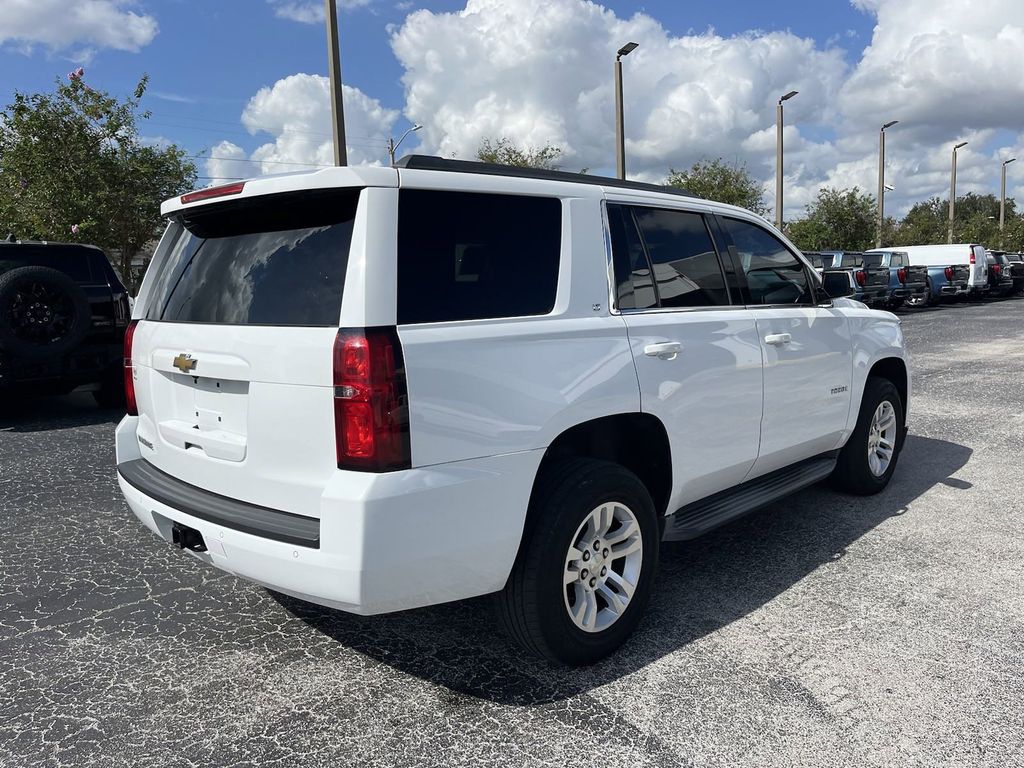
<point x="952" y="192"/>
<point x="620" y="130"/>
<point x="881" y="181"/>
<point x="778" y="159"/>
<point x="1002" y="204"/>
<point x="334" y="73"/>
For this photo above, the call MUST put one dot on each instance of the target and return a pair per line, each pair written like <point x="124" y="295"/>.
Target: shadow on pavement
<point x="702" y="586"/>
<point x="44" y="414"/>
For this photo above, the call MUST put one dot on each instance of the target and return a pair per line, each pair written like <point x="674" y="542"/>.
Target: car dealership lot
<point x="824" y="630"/>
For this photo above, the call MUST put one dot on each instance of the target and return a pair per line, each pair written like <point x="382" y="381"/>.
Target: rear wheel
<point x="868" y="459"/>
<point x="586" y="565"/>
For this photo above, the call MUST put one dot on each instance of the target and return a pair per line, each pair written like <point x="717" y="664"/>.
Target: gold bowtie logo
<point x="184" y="363"/>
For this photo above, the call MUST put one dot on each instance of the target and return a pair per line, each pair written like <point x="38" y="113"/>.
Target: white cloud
<point x="540" y="71"/>
<point x="310" y="11"/>
<point x="59" y="25"/>
<point x="296" y="113"/>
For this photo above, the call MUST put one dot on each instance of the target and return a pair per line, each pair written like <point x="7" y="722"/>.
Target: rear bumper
<point x="387" y="542"/>
<point x="954" y="289"/>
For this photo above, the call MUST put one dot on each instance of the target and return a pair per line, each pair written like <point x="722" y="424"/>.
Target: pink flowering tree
<point x="73" y="167"/>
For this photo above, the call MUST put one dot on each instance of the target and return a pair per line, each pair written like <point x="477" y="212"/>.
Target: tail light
<point x="371" y="403"/>
<point x="901" y="274"/>
<point x="949" y="273"/>
<point x="861" y="277"/>
<point x="997" y="269"/>
<point x="131" y="404"/>
<point x="972" y="256"/>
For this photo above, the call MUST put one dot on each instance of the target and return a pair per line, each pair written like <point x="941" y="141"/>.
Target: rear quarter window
<point x="474" y="256"/>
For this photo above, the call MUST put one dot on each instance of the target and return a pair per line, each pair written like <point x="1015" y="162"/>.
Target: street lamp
<point x="778" y="158"/>
<point x="881" y="181"/>
<point x="394" y="145"/>
<point x="620" y="134"/>
<point x="334" y="71"/>
<point x="952" y="191"/>
<point x="1002" y="202"/>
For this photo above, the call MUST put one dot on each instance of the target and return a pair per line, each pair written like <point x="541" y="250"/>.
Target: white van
<point x="946" y="255"/>
<point x="383" y="388"/>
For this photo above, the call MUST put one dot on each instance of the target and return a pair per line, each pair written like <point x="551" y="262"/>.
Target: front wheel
<point x="586" y="565"/>
<point x="868" y="459"/>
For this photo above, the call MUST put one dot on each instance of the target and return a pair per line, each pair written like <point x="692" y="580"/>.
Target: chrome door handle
<point x="777" y="339"/>
<point x="664" y="350"/>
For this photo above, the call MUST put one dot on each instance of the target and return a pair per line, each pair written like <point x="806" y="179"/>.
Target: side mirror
<point x="837" y="284"/>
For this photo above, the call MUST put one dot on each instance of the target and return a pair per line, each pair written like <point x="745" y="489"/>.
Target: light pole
<point x="620" y="131"/>
<point x="393" y="145"/>
<point x="778" y="159"/>
<point x="1002" y="202"/>
<point x="881" y="181"/>
<point x="952" y="191"/>
<point x="334" y="72"/>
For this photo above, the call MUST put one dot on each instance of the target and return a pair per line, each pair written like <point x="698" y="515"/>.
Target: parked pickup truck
<point x="383" y="388"/>
<point x="1015" y="263"/>
<point x="969" y="276"/>
<point x="871" y="283"/>
<point x="906" y="282"/>
<point x="1000" y="276"/>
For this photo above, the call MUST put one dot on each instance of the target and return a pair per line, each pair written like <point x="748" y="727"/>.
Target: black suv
<point x="63" y="314"/>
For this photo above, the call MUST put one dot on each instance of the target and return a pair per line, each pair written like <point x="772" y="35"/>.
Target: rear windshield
<point x="270" y="260"/>
<point x="852" y="260"/>
<point x="815" y="259"/>
<point x="870" y="259"/>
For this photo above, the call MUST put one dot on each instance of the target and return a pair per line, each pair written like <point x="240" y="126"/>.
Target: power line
<point x="238" y="132"/>
<point x="250" y="160"/>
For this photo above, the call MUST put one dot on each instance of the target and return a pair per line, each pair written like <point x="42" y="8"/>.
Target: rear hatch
<point x="233" y="349"/>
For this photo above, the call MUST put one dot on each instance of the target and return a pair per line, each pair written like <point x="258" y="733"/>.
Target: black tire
<point x="43" y="312"/>
<point x="922" y="301"/>
<point x="534" y="604"/>
<point x="853" y="473"/>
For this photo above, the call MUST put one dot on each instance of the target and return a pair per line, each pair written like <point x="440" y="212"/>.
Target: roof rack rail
<point x="432" y="163"/>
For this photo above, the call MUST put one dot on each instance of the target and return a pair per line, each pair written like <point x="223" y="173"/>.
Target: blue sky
<point x="225" y="81"/>
<point x="209" y="58"/>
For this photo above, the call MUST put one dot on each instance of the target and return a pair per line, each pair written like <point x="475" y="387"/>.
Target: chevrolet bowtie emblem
<point x="184" y="363"/>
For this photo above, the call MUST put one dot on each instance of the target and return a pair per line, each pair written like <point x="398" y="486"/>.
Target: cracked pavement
<point x="824" y="630"/>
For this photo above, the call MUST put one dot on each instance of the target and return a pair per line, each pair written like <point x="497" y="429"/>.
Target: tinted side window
<point x="686" y="268"/>
<point x="470" y="256"/>
<point x="634" y="287"/>
<point x="774" y="274"/>
<point x="897" y="260"/>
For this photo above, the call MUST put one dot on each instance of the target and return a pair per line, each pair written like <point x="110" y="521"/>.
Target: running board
<point x="697" y="518"/>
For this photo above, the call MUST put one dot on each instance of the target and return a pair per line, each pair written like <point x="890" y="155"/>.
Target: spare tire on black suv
<point x="63" y="314"/>
<point x="43" y="312"/>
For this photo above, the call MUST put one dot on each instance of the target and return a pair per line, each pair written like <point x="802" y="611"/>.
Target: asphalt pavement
<point x="822" y="631"/>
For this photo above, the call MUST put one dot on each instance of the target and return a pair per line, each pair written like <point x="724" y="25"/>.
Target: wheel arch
<point x="894" y="369"/>
<point x="638" y="441"/>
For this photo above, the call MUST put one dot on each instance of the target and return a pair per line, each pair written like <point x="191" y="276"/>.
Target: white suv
<point x="382" y="388"/>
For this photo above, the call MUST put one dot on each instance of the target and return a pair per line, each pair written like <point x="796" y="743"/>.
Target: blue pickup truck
<point x="870" y="282"/>
<point x="942" y="282"/>
<point x="907" y="283"/>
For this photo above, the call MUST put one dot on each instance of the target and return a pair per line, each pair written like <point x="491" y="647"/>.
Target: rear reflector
<point x="371" y="403"/>
<point x="131" y="404"/>
<point x="206" y="194"/>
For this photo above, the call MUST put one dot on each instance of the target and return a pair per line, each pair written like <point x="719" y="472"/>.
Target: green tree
<point x="724" y="183"/>
<point x="504" y="152"/>
<point x="73" y="167"/>
<point x="839" y="219"/>
<point x="925" y="223"/>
